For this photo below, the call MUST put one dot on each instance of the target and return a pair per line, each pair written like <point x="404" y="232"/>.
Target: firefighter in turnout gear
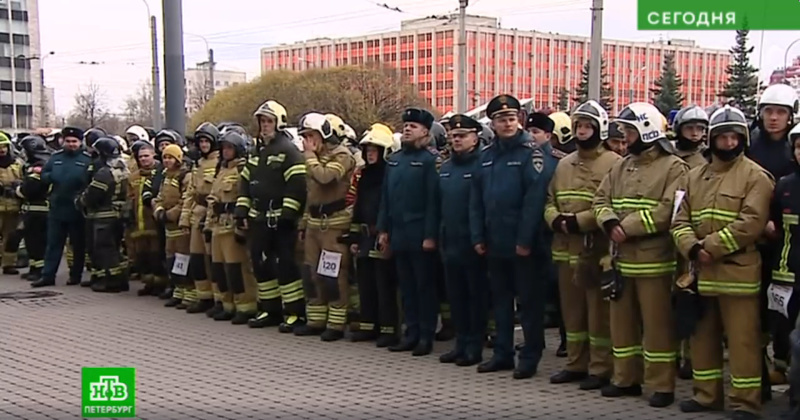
<point x="690" y="126"/>
<point x="143" y="231"/>
<point x="723" y="214"/>
<point x="376" y="275"/>
<point x="34" y="207"/>
<point x="100" y="203"/>
<point x="231" y="267"/>
<point x="465" y="270"/>
<point x="272" y="195"/>
<point x="329" y="168"/>
<point x="168" y="210"/>
<point x="634" y="205"/>
<point x="562" y="139"/>
<point x="10" y="178"/>
<point x="578" y="246"/>
<point x="408" y="225"/>
<point x="203" y="173"/>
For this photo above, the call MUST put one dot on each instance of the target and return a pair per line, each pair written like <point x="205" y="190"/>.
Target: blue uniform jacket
<point x="67" y="173"/>
<point x="409" y="210"/>
<point x="508" y="196"/>
<point x="455" y="183"/>
<point x="542" y="249"/>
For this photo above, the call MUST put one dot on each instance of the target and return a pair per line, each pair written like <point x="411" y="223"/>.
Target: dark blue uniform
<point x="409" y="213"/>
<point x="506" y="211"/>
<point x="66" y="172"/>
<point x="465" y="270"/>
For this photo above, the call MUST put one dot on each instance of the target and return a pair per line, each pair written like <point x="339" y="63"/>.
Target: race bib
<point x="329" y="264"/>
<point x="778" y="298"/>
<point x="181" y="265"/>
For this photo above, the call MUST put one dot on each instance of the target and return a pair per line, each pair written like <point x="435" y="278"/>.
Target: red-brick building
<point x="527" y="64"/>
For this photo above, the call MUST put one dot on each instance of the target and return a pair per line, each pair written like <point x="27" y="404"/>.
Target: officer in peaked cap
<point x="419" y="116"/>
<point x="501" y="105"/>
<point x="461" y="123"/>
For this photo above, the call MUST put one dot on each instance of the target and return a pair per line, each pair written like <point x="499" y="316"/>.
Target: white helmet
<point x="593" y="111"/>
<point x="139" y="132"/>
<point x="349" y="133"/>
<point x="691" y="113"/>
<point x="645" y="118"/>
<point x="726" y="119"/>
<point x="396" y="141"/>
<point x="123" y="144"/>
<point x="795" y="132"/>
<point x="782" y="95"/>
<point x="314" y="121"/>
<point x="275" y="110"/>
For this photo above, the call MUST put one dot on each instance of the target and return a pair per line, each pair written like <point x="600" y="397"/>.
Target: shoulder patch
<point x="538" y="160"/>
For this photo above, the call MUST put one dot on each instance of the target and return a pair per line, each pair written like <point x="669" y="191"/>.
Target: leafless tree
<point x="199" y="91"/>
<point x="138" y="107"/>
<point x="90" y="107"/>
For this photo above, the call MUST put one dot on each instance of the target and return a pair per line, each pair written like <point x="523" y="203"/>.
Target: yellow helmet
<point x="379" y="135"/>
<point x="338" y="125"/>
<point x="274" y="110"/>
<point x="563" y="127"/>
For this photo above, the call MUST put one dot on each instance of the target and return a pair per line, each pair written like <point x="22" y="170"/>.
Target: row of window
<point x="19" y="15"/>
<point x="23" y="110"/>
<point x="19" y="39"/>
<point x="19" y="87"/>
<point x="20" y="63"/>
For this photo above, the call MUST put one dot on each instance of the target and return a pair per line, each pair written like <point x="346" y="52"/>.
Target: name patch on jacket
<point x="415" y="163"/>
<point x="514" y="163"/>
<point x="392" y="163"/>
<point x="444" y="175"/>
<point x="467" y="176"/>
<point x="489" y="163"/>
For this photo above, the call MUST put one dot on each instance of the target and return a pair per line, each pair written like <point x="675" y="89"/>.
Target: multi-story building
<point x="527" y="64"/>
<point x="20" y="65"/>
<point x="789" y="75"/>
<point x="200" y="88"/>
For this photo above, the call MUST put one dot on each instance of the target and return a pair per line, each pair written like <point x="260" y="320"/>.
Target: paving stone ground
<point x="190" y="367"/>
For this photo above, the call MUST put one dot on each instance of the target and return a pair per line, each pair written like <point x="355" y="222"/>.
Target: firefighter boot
<point x="10" y="271"/>
<point x="217" y="308"/>
<point x="34" y="274"/>
<point x="224" y="315"/>
<point x="201" y="306"/>
<point x="306" y="330"/>
<point x="386" y="340"/>
<point x="332" y="335"/>
<point x="166" y="293"/>
<point x="264" y="318"/>
<point x="361" y="335"/>
<point x="662" y="399"/>
<point x="447" y="332"/>
<point x="291" y="323"/>
<point x="242" y="318"/>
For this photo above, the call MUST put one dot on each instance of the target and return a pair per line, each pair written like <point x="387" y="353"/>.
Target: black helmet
<point x="138" y="145"/>
<point x="93" y="134"/>
<point x="33" y="144"/>
<point x="439" y="135"/>
<point x="238" y="141"/>
<point x="168" y="135"/>
<point x="106" y="147"/>
<point x="228" y="126"/>
<point x="207" y="131"/>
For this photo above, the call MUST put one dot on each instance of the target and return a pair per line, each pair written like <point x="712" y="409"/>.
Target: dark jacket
<point x="455" y="183"/>
<point x="66" y="172"/>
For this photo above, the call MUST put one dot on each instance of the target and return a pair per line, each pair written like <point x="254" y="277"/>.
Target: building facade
<point x="527" y="64"/>
<point x="21" y="100"/>
<point x="200" y="88"/>
<point x="790" y="75"/>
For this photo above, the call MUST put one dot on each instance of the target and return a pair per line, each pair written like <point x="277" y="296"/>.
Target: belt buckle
<point x="323" y="224"/>
<point x="272" y="220"/>
<point x="365" y="230"/>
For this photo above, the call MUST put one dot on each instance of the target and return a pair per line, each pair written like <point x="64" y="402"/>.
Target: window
<point x="22" y="39"/>
<point x="5" y="38"/>
<point x="6" y="85"/>
<point x="24" y="87"/>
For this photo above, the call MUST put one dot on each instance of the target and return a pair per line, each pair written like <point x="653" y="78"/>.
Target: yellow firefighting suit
<point x="231" y="267"/>
<point x="170" y="202"/>
<point x="585" y="313"/>
<point x="142" y="240"/>
<point x="10" y="178"/>
<point x="638" y="195"/>
<point x="199" y="253"/>
<point x="326" y="219"/>
<point x="725" y="211"/>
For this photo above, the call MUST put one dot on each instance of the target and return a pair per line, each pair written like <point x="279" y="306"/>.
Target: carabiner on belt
<point x="272" y="219"/>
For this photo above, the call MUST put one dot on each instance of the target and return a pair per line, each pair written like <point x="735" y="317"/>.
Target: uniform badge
<point x="538" y="160"/>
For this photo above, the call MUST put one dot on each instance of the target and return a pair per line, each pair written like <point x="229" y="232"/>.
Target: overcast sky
<point x="116" y="33"/>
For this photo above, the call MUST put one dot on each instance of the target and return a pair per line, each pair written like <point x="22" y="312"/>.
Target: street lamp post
<point x="786" y="57"/>
<point x="155" y="82"/>
<point x="43" y="96"/>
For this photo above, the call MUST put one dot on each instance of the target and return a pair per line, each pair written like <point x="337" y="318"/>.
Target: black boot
<point x="264" y="320"/>
<point x="167" y="293"/>
<point x="692" y="406"/>
<point x="685" y="371"/>
<point x="404" y="345"/>
<point x="593" y="382"/>
<point x="10" y="271"/>
<point x="43" y="282"/>
<point x="105" y="286"/>
<point x="124" y="285"/>
<point x="330" y="335"/>
<point x="182" y="306"/>
<point x="24" y="276"/>
<point x="567" y="376"/>
<point x="241" y="318"/>
<point x="307" y="330"/>
<point x="147" y="290"/>
<point x="423" y="348"/>
<point x="217" y="308"/>
<point x="200" y="306"/>
<point x="451" y="356"/>
<point x="448" y="331"/>
<point x="562" y="350"/>
<point x="83" y="283"/>
<point x="662" y="399"/>
<point x="172" y="302"/>
<point x="291" y="323"/>
<point x="359" y="336"/>
<point x="494" y="365"/>
<point x="613" y="391"/>
<point x="224" y="315"/>
<point x="386" y="340"/>
<point x="743" y="415"/>
<point x="34" y="274"/>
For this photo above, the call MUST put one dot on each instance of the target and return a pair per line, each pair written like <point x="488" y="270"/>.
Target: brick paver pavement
<point x="190" y="367"/>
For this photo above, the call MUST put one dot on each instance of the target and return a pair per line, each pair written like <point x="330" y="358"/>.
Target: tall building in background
<point x="790" y="75"/>
<point x="199" y="87"/>
<point x="21" y="100"/>
<point x="527" y="64"/>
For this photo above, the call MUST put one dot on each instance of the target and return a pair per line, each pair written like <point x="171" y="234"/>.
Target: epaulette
<point x="58" y="151"/>
<point x="87" y="154"/>
<point x="558" y="154"/>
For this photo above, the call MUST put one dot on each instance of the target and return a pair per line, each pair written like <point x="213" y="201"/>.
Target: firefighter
<point x="329" y="168"/>
<point x="408" y="225"/>
<point x="66" y="174"/>
<point x="465" y="271"/>
<point x="578" y="246"/>
<point x="231" y="266"/>
<point x="203" y="172"/>
<point x="143" y="231"/>
<point x="562" y="140"/>
<point x="506" y="207"/>
<point x="784" y="221"/>
<point x="690" y="126"/>
<point x="376" y="273"/>
<point x="34" y="208"/>
<point x="136" y="133"/>
<point x="723" y="214"/>
<point x="272" y="195"/>
<point x="10" y="178"/>
<point x="616" y="141"/>
<point x="168" y="210"/>
<point x="634" y="206"/>
<point x="103" y="220"/>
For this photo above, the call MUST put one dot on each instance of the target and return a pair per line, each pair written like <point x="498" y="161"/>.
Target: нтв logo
<point x="108" y="392"/>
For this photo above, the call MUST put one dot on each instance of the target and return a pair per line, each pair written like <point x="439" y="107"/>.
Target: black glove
<point x="240" y="238"/>
<point x="572" y="224"/>
<point x="609" y="225"/>
<point x="207" y="236"/>
<point x="148" y="202"/>
<point x="557" y="223"/>
<point x="695" y="251"/>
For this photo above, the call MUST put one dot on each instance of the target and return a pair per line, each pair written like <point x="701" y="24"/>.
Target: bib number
<point x="329" y="264"/>
<point x="181" y="265"/>
<point x="778" y="298"/>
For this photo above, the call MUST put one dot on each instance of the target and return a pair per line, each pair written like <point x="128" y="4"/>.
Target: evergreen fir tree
<point x="742" y="86"/>
<point x="582" y="91"/>
<point x="563" y="99"/>
<point x="667" y="90"/>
